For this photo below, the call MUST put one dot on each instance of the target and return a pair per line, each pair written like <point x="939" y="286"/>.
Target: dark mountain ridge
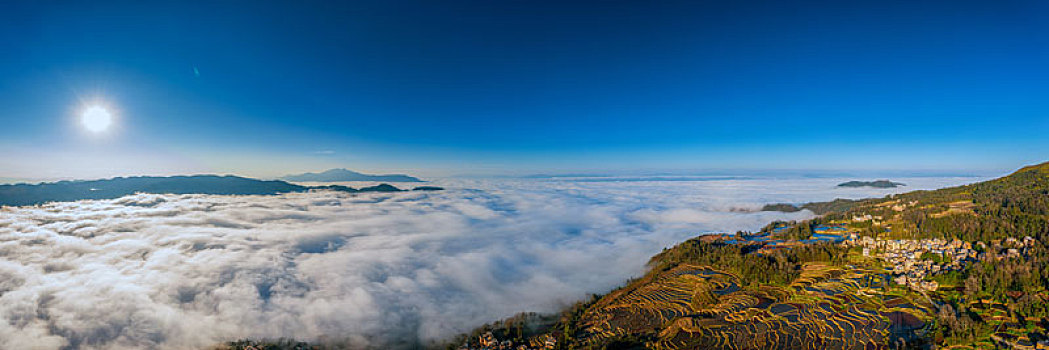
<point x="64" y="191"/>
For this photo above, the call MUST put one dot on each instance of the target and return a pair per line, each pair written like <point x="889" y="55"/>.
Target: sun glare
<point x="96" y="119"/>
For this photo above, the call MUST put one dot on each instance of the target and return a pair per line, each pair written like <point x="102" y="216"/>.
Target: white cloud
<point x="374" y="270"/>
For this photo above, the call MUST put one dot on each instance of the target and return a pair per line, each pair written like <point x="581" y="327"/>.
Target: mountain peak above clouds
<point x="339" y="175"/>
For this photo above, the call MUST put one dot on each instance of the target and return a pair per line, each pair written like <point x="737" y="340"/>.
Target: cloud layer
<point x="370" y="270"/>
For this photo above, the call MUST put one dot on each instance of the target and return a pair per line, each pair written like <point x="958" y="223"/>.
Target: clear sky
<point x="461" y="87"/>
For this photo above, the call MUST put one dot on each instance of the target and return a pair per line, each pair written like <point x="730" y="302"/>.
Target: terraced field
<point x="696" y="307"/>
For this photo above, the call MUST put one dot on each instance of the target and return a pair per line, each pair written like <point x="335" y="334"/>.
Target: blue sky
<point x="461" y="87"/>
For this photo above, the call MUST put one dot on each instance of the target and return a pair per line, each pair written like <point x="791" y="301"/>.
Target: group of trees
<point x="519" y="328"/>
<point x="993" y="277"/>
<point x="960" y="324"/>
<point x="278" y="344"/>
<point x="779" y="266"/>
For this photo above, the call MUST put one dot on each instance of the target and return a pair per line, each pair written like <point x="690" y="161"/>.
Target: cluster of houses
<point x="488" y="341"/>
<point x="905" y="256"/>
<point x="874" y="219"/>
<point x="906" y="262"/>
<point x="1013" y="248"/>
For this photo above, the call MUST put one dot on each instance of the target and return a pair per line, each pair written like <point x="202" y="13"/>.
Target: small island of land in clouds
<point x="875" y="184"/>
<point x="820" y="208"/>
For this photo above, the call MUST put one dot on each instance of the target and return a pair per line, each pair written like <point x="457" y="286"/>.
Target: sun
<point x="96" y="119"/>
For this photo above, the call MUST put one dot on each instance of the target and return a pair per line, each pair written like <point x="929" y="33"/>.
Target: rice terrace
<point x="825" y="307"/>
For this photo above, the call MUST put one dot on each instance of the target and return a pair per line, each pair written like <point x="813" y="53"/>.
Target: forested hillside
<point x="964" y="267"/>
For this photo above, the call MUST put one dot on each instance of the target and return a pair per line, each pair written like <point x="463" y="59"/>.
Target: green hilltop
<point x="964" y="267"/>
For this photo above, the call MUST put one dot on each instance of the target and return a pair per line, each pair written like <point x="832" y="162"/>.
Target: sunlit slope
<point x="995" y="209"/>
<point x="694" y="307"/>
<point x="708" y="293"/>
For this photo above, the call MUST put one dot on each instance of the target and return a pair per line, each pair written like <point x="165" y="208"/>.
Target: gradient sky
<point x="474" y="87"/>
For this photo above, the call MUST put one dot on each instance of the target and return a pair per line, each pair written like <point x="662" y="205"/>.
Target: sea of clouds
<point x="379" y="270"/>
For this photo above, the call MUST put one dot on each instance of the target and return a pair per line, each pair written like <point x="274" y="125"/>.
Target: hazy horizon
<point x="632" y="175"/>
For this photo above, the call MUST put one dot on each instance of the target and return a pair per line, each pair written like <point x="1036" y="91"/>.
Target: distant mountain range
<point x="64" y="191"/>
<point x="876" y="184"/>
<point x="339" y="175"/>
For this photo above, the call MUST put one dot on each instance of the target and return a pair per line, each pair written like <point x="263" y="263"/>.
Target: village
<point x="912" y="261"/>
